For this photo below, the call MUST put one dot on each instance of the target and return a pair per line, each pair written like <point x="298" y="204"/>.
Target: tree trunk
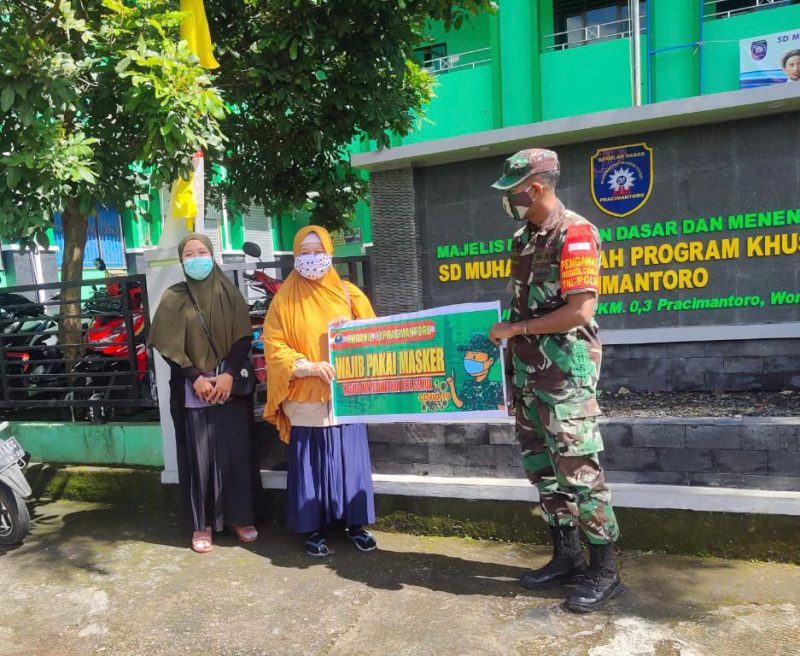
<point x="74" y="224"/>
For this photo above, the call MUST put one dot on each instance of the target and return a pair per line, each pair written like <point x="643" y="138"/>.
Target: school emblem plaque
<point x="622" y="178"/>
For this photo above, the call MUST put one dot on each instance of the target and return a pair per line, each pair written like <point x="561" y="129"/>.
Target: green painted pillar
<point x="275" y="227"/>
<point x="547" y="23"/>
<point x="676" y="72"/>
<point x="288" y="225"/>
<point x="236" y="229"/>
<point x="497" y="70"/>
<point x="520" y="61"/>
<point x="156" y="223"/>
<point x="131" y="231"/>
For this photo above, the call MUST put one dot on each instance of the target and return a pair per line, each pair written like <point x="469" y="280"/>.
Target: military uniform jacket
<point x="550" y="262"/>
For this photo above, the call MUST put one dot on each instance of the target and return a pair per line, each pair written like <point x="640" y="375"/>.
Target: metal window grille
<point x="581" y="22"/>
<point x="103" y="239"/>
<point x="258" y="229"/>
<point x="728" y="8"/>
<point x="458" y="61"/>
<point x="582" y="36"/>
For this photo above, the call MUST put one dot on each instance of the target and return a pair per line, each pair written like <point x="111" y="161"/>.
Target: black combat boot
<point x="600" y="583"/>
<point x="567" y="562"/>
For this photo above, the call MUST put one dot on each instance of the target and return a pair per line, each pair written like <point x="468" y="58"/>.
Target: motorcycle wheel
<point x="75" y="413"/>
<point x="15" y="520"/>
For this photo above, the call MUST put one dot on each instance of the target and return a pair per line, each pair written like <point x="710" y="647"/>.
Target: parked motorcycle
<point x="267" y="286"/>
<point x="30" y="341"/>
<point x="15" y="307"/>
<point x="15" y="521"/>
<point x="34" y="361"/>
<point x="104" y="372"/>
<point x="260" y="282"/>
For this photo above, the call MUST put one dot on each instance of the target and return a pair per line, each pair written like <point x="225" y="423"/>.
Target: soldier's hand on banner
<point x="501" y="331"/>
<point x="325" y="371"/>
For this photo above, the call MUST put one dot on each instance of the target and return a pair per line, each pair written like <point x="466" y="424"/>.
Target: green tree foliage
<point x="306" y="77"/>
<point x="87" y="88"/>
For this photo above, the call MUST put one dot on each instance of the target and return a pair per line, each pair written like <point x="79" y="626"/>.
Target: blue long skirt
<point x="329" y="477"/>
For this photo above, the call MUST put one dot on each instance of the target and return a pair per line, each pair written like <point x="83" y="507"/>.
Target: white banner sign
<point x="770" y="59"/>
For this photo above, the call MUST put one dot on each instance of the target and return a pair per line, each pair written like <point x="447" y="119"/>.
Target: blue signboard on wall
<point x="622" y="178"/>
<point x="103" y="239"/>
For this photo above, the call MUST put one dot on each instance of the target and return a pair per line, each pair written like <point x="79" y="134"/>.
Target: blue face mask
<point x="198" y="268"/>
<point x="472" y="367"/>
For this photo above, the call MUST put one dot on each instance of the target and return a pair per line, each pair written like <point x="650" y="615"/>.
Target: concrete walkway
<point x="104" y="580"/>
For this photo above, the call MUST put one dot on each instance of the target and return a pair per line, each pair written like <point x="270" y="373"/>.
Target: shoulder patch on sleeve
<point x="580" y="265"/>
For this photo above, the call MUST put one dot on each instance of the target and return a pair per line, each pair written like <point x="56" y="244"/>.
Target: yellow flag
<point x="194" y="30"/>
<point x="181" y="201"/>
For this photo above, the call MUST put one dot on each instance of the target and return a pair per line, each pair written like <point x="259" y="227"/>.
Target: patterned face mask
<point x="517" y="205"/>
<point x="314" y="266"/>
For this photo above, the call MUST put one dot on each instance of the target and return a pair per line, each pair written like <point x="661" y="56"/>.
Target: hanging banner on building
<point x="622" y="178"/>
<point x="431" y="366"/>
<point x="770" y="59"/>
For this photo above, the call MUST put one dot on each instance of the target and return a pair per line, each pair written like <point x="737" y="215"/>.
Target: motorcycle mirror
<point x="99" y="264"/>
<point x="251" y="249"/>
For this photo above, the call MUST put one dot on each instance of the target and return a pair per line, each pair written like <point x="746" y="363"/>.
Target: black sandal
<point x="317" y="546"/>
<point x="363" y="539"/>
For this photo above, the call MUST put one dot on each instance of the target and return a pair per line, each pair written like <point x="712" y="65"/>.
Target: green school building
<point x="531" y="62"/>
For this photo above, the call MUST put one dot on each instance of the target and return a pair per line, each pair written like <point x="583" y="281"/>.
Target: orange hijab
<point x="296" y="327"/>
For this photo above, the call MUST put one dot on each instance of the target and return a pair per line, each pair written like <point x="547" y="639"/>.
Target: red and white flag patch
<point x="580" y="265"/>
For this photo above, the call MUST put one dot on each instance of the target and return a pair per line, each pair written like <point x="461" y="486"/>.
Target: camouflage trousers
<point x="560" y="440"/>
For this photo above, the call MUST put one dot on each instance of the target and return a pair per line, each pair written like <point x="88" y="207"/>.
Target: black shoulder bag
<point x="244" y="380"/>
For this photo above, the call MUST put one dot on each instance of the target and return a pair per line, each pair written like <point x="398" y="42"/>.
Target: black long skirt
<point x="219" y="472"/>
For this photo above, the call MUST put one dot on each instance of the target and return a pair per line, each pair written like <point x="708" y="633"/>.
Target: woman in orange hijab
<point x="329" y="473"/>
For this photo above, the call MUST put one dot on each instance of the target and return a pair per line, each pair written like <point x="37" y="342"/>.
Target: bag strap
<point x="203" y="324"/>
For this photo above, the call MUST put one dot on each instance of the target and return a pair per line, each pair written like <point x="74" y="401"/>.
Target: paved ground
<point x="95" y="579"/>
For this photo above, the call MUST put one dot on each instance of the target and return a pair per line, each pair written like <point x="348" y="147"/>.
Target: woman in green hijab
<point x="212" y="428"/>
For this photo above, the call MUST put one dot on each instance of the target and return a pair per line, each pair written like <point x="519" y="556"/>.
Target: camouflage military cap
<point x="524" y="164"/>
<point x="480" y="344"/>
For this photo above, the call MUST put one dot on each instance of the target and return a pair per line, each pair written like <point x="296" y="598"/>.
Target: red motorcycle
<point x="104" y="372"/>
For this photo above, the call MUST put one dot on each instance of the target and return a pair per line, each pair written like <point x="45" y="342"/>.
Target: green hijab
<point x="176" y="330"/>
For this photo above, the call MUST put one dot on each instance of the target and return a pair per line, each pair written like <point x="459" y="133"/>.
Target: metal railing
<point x="458" y="61"/>
<point x="710" y="7"/>
<point x="104" y="366"/>
<point x="581" y="36"/>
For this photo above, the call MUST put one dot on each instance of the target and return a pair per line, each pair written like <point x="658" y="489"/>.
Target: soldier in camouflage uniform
<point x="477" y="391"/>
<point x="555" y="357"/>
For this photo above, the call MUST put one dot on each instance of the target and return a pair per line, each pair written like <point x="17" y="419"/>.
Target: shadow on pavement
<point x="658" y="586"/>
<point x="389" y="569"/>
